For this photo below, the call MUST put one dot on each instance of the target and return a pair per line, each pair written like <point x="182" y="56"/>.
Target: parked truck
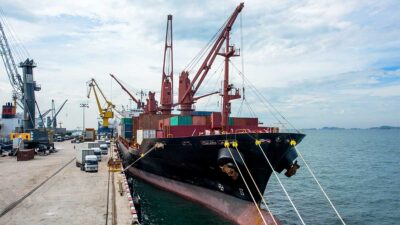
<point x="93" y="145"/>
<point x="91" y="163"/>
<point x="97" y="152"/>
<point x="81" y="153"/>
<point x="90" y="134"/>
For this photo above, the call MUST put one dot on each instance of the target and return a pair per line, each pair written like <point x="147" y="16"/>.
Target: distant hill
<point x="332" y="128"/>
<point x="385" y="128"/>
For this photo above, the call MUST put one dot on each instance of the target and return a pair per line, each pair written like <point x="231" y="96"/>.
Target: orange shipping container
<point x="199" y="120"/>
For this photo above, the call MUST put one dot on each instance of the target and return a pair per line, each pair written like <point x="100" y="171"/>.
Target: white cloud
<point x="286" y="45"/>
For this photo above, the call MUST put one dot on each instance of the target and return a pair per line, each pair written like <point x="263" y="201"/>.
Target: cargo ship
<point x="201" y="155"/>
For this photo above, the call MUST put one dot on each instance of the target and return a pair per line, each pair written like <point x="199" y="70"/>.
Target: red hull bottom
<point x="233" y="209"/>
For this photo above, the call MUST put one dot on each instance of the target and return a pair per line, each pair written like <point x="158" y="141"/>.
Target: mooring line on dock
<point x="15" y="204"/>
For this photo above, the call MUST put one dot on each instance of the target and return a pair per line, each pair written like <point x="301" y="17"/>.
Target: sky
<point x="318" y="63"/>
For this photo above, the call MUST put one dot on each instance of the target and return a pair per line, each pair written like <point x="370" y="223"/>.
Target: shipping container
<point x="90" y="134"/>
<point x="199" y="120"/>
<point x="150" y="121"/>
<point x="239" y="121"/>
<point x="180" y="121"/>
<point x="126" y="127"/>
<point x="160" y="134"/>
<point x="25" y="155"/>
<point x="163" y="122"/>
<point x="139" y="136"/>
<point x="126" y="120"/>
<point x="216" y="120"/>
<point x="230" y="121"/>
<point x="144" y="134"/>
<point x="201" y="113"/>
<point x="93" y="145"/>
<point x="183" y="131"/>
<point x="127" y="135"/>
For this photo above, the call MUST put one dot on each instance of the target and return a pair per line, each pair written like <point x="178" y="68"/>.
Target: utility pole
<point x="83" y="106"/>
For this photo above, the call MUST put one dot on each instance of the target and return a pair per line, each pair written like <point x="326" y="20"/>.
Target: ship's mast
<point x="230" y="51"/>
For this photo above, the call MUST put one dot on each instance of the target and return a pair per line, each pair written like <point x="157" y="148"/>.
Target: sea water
<point x="359" y="170"/>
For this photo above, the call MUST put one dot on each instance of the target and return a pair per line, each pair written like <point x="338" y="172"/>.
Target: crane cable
<point x="247" y="186"/>
<point x="320" y="187"/>
<point x="266" y="103"/>
<point x="255" y="184"/>
<point x="279" y="180"/>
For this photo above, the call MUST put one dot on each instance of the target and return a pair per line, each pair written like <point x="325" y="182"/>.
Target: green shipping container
<point x="126" y="120"/>
<point x="180" y="120"/>
<point x="230" y="121"/>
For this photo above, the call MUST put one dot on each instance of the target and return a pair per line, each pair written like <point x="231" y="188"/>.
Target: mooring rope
<point x="279" y="180"/>
<point x="157" y="145"/>
<point x="247" y="186"/>
<point x="320" y="187"/>
<point x="255" y="184"/>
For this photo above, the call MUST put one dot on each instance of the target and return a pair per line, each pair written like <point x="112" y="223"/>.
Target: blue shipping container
<point x="201" y="113"/>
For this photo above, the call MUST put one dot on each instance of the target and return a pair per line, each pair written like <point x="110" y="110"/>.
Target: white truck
<point x="91" y="163"/>
<point x="97" y="152"/>
<point x="104" y="149"/>
<point x="93" y="145"/>
<point x="81" y="153"/>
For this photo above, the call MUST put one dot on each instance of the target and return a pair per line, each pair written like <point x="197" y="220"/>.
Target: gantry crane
<point x="106" y="113"/>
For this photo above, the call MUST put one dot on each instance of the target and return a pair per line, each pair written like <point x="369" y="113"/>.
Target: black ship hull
<point x="207" y="162"/>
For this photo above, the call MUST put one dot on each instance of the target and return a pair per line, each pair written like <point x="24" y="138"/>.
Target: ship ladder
<point x="293" y="143"/>
<point x="226" y="144"/>
<point x="235" y="145"/>
<point x="258" y="143"/>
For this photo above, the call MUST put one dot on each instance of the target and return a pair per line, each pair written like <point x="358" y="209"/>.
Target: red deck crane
<point x="187" y="88"/>
<point x="138" y="102"/>
<point x="167" y="83"/>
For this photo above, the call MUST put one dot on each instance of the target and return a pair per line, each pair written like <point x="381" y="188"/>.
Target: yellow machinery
<point x="23" y="136"/>
<point x="106" y="112"/>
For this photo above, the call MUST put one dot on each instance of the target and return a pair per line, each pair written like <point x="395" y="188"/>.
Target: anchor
<point x="292" y="170"/>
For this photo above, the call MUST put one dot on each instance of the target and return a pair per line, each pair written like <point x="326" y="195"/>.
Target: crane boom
<point x="9" y="62"/>
<point x="139" y="104"/>
<point x="107" y="112"/>
<point x="187" y="88"/>
<point x="167" y="82"/>
<point x="55" y="115"/>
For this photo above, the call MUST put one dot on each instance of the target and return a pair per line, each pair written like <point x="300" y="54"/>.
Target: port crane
<point x="167" y="81"/>
<point x="188" y="88"/>
<point x="54" y="114"/>
<point x="24" y="86"/>
<point x="106" y="113"/>
<point x="139" y="104"/>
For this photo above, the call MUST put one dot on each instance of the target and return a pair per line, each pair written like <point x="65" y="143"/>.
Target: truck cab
<point x="91" y="163"/>
<point x="104" y="149"/>
<point x="97" y="153"/>
<point x="59" y="139"/>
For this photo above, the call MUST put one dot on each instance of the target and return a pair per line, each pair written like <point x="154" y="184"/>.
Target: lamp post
<point x="83" y="106"/>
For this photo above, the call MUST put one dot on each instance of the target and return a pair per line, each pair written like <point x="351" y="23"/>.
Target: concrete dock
<point x="69" y="197"/>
